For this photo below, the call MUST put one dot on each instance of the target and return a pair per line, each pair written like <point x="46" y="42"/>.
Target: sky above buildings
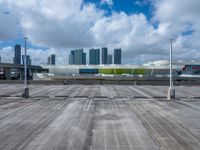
<point x="140" y="27"/>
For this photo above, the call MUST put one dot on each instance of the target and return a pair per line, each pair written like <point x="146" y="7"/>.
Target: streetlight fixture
<point x="25" y="91"/>
<point x="171" y="90"/>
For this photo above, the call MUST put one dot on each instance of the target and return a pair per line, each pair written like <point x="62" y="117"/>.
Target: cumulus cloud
<point x="7" y="54"/>
<point x="70" y="24"/>
<point x="180" y="19"/>
<point x="109" y="2"/>
<point x="142" y="2"/>
<point x="38" y="56"/>
<point x="58" y="24"/>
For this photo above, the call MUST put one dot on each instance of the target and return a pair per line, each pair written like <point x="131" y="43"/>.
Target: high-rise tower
<point x="94" y="56"/>
<point x="104" y="55"/>
<point x="17" y="54"/>
<point x="117" y="56"/>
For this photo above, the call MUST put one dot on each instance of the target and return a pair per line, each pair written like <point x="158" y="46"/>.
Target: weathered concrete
<point x="106" y="117"/>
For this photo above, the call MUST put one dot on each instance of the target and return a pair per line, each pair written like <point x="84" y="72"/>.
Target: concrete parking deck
<point x="99" y="117"/>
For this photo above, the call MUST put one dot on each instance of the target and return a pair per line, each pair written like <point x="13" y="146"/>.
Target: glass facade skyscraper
<point x="84" y="58"/>
<point x="28" y="60"/>
<point x="77" y="57"/>
<point x="117" y="56"/>
<point x="104" y="56"/>
<point x="109" y="59"/>
<point x="17" y="54"/>
<point x="51" y="60"/>
<point x="94" y="56"/>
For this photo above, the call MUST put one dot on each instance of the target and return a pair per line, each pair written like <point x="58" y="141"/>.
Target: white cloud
<point x="38" y="56"/>
<point x="9" y="24"/>
<point x="7" y="54"/>
<point x="109" y="2"/>
<point x="142" y="2"/>
<point x="58" y="24"/>
<point x="175" y="18"/>
<point x="67" y="24"/>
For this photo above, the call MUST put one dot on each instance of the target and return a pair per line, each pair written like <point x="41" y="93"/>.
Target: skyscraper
<point x="84" y="58"/>
<point x="109" y="59"/>
<point x="17" y="54"/>
<point x="77" y="57"/>
<point x="51" y="60"/>
<point x="28" y="60"/>
<point x="94" y="56"/>
<point x="104" y="55"/>
<point x="117" y="56"/>
<point x="71" y="58"/>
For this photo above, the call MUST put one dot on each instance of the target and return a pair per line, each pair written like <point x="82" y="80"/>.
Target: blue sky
<point x="127" y="6"/>
<point x="140" y="27"/>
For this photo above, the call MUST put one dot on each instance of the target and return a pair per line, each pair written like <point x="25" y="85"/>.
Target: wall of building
<point x="71" y="70"/>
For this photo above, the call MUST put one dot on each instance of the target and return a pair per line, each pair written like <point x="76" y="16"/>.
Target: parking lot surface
<point x="99" y="117"/>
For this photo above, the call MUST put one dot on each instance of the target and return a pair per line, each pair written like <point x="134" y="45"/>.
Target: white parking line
<point x="89" y="105"/>
<point x="86" y="107"/>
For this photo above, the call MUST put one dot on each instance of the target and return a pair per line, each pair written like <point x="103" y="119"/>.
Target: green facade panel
<point x="121" y="71"/>
<point x="106" y="71"/>
<point x="138" y="71"/>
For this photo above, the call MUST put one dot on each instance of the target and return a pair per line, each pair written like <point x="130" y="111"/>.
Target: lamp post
<point x="25" y="91"/>
<point x="171" y="90"/>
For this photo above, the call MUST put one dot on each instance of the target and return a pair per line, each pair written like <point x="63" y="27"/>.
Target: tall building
<point x="84" y="58"/>
<point x="109" y="59"/>
<point x="104" y="55"/>
<point x="51" y="60"/>
<point x="71" y="58"/>
<point x="28" y="60"/>
<point x="17" y="54"/>
<point x="77" y="57"/>
<point x="117" y="56"/>
<point x="94" y="56"/>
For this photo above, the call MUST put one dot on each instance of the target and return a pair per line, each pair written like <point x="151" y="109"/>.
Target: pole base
<point x="25" y="92"/>
<point x="171" y="94"/>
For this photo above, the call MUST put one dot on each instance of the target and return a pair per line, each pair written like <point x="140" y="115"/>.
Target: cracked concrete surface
<point x="99" y="117"/>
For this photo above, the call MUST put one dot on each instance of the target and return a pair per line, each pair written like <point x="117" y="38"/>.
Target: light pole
<point x="25" y="91"/>
<point x="171" y="90"/>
